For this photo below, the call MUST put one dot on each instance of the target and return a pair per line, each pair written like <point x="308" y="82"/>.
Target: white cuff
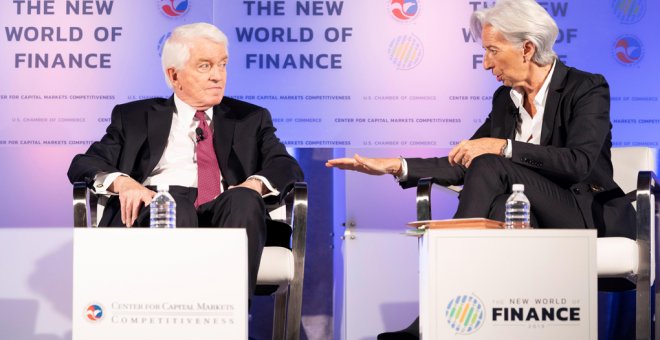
<point x="103" y="180"/>
<point x="508" y="151"/>
<point x="272" y="192"/>
<point x="404" y="171"/>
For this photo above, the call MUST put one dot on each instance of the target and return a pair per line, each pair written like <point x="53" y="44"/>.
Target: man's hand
<point x="370" y="166"/>
<point x="131" y="197"/>
<point x="254" y="184"/>
<point x="467" y="150"/>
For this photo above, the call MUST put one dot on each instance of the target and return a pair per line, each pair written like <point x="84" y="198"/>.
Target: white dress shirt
<point x="178" y="164"/>
<point x="528" y="128"/>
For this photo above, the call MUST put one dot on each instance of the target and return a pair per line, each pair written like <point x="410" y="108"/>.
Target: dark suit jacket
<point x="244" y="140"/>
<point x="574" y="151"/>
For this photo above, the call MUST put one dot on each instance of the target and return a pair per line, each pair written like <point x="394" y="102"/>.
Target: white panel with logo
<point x="159" y="284"/>
<point x="508" y="284"/>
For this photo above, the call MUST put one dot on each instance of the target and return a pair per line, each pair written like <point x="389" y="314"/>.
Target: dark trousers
<point x="234" y="208"/>
<point x="487" y="186"/>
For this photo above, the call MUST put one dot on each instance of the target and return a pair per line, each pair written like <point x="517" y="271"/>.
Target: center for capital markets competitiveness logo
<point x="94" y="312"/>
<point x="465" y="314"/>
<point x="404" y="10"/>
<point x="173" y="8"/>
<point x="406" y="51"/>
<point x="628" y="50"/>
<point x="629" y="11"/>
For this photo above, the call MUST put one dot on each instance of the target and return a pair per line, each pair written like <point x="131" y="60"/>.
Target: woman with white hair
<point x="549" y="128"/>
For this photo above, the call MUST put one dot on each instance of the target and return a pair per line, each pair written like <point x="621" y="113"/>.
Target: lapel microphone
<point x="200" y="134"/>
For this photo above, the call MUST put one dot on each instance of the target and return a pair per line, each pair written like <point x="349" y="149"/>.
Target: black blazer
<point x="244" y="140"/>
<point x="574" y="151"/>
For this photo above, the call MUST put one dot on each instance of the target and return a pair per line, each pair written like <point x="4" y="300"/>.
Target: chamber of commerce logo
<point x="406" y="51"/>
<point x="173" y="8"/>
<point x="628" y="50"/>
<point x="465" y="314"/>
<point x="94" y="312"/>
<point x="629" y="11"/>
<point x="161" y="43"/>
<point x="404" y="9"/>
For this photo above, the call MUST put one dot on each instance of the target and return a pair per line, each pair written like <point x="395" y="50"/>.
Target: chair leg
<point x="294" y="311"/>
<point x="279" y="314"/>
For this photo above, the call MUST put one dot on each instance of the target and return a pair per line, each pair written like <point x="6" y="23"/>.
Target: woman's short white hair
<point x="176" y="50"/>
<point x="520" y="21"/>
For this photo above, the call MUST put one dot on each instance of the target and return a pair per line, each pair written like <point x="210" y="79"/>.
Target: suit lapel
<point x="159" y="123"/>
<point x="552" y="102"/>
<point x="223" y="135"/>
<point x="510" y="121"/>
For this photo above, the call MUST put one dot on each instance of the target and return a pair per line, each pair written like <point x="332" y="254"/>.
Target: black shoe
<point x="409" y="333"/>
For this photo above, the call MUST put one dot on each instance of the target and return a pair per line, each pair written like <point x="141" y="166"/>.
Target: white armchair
<point x="281" y="271"/>
<point x="617" y="257"/>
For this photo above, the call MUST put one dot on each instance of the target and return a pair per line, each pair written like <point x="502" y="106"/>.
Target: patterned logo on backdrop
<point x="404" y="10"/>
<point x="628" y="50"/>
<point x="406" y="51"/>
<point x="629" y="11"/>
<point x="465" y="314"/>
<point x="161" y="42"/>
<point x="94" y="312"/>
<point x="173" y="8"/>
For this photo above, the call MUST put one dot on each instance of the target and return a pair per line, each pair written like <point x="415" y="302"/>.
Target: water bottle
<point x="162" y="209"/>
<point x="516" y="215"/>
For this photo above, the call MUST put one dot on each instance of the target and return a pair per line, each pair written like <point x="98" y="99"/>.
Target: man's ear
<point x="172" y="75"/>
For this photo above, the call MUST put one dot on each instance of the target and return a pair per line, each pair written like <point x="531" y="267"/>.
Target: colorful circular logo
<point x="404" y="10"/>
<point x="465" y="314"/>
<point x="628" y="50"/>
<point x="629" y="11"/>
<point x="172" y="8"/>
<point x="161" y="43"/>
<point x="94" y="312"/>
<point x="406" y="51"/>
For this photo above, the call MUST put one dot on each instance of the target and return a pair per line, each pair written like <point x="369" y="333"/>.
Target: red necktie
<point x="208" y="171"/>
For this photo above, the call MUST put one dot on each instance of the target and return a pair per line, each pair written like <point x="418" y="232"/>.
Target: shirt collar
<point x="187" y="112"/>
<point x="539" y="100"/>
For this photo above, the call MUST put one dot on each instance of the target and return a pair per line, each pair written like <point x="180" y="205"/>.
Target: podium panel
<point x="508" y="284"/>
<point x="159" y="284"/>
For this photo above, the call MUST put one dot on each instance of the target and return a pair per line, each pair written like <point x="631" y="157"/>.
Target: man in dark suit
<point x="218" y="155"/>
<point x="549" y="129"/>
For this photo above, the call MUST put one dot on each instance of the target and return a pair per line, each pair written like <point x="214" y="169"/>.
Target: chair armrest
<point x="647" y="219"/>
<point x="297" y="217"/>
<point x="647" y="188"/>
<point x="298" y="244"/>
<point x="79" y="205"/>
<point x="85" y="204"/>
<point x="423" y="200"/>
<point x="424" y="186"/>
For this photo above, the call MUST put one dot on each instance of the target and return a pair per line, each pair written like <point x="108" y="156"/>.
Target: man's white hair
<point x="176" y="50"/>
<point x="520" y="21"/>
